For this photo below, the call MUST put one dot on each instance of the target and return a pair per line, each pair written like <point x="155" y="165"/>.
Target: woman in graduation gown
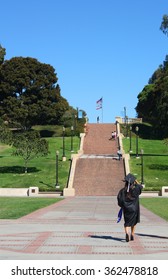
<point x="128" y="200"/>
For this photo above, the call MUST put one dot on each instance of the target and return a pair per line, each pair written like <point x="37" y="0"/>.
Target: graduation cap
<point x="130" y="179"/>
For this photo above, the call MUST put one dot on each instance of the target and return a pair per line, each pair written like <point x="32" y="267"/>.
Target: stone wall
<point x="14" y="191"/>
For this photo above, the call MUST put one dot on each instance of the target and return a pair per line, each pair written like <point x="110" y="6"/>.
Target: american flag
<point x="99" y="104"/>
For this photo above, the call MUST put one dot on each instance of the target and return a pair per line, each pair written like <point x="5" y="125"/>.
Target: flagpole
<point x="99" y="105"/>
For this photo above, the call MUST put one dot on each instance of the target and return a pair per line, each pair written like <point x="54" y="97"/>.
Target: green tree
<point x="29" y="145"/>
<point x="145" y="105"/>
<point x="5" y="134"/>
<point x="164" y="25"/>
<point x="153" y="100"/>
<point x="29" y="93"/>
<point x="2" y="54"/>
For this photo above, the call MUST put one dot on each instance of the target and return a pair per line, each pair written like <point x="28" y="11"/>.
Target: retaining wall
<point x="23" y="192"/>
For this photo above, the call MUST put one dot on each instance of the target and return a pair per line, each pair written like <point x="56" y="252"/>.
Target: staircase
<point x="98" y="171"/>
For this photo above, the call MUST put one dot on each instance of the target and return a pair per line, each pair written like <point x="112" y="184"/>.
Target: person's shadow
<point x="152" y="235"/>
<point x="107" y="237"/>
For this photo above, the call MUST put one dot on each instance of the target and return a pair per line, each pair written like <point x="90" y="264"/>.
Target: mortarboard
<point x="130" y="179"/>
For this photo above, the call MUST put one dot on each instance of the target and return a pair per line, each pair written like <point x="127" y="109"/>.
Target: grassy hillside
<point x="155" y="160"/>
<point x="41" y="171"/>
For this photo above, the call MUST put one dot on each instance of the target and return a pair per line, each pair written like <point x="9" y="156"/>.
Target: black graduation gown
<point x="131" y="209"/>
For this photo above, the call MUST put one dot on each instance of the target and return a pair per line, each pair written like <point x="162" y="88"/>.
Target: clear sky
<point x="99" y="48"/>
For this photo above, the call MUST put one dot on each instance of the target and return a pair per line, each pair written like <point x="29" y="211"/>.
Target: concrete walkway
<point x="82" y="228"/>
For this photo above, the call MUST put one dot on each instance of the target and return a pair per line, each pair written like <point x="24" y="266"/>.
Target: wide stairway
<point x="98" y="171"/>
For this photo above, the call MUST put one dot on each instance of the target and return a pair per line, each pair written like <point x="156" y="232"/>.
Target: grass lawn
<point x="157" y="205"/>
<point x="41" y="171"/>
<point x="148" y="145"/>
<point x="16" y="207"/>
<point x="155" y="162"/>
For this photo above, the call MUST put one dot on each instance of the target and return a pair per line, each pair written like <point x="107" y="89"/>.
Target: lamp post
<point x="142" y="168"/>
<point x="63" y="142"/>
<point x="75" y="121"/>
<point x="126" y="126"/>
<point x="130" y="139"/>
<point x="57" y="184"/>
<point x="116" y="127"/>
<point x="137" y="129"/>
<point x="72" y="134"/>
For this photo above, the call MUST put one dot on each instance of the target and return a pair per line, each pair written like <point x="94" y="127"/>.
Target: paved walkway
<point x="82" y="228"/>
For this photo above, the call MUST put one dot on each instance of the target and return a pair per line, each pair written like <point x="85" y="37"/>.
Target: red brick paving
<point x="82" y="227"/>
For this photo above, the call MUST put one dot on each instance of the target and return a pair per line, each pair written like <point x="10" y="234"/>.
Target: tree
<point x="5" y="134"/>
<point x="146" y="104"/>
<point x="153" y="100"/>
<point x="29" y="93"/>
<point x="2" y="54"/>
<point x="164" y="25"/>
<point x="29" y="145"/>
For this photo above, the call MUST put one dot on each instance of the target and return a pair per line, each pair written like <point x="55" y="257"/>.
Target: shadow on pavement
<point x="152" y="235"/>
<point x="107" y="237"/>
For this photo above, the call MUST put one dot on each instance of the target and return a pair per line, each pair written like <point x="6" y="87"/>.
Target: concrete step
<point x="98" y="139"/>
<point x="98" y="171"/>
<point x="101" y="176"/>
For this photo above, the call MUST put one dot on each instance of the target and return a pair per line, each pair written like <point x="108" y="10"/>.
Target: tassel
<point x="128" y="186"/>
<point x="119" y="215"/>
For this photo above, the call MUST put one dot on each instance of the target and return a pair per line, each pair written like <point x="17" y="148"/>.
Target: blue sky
<point x="99" y="48"/>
